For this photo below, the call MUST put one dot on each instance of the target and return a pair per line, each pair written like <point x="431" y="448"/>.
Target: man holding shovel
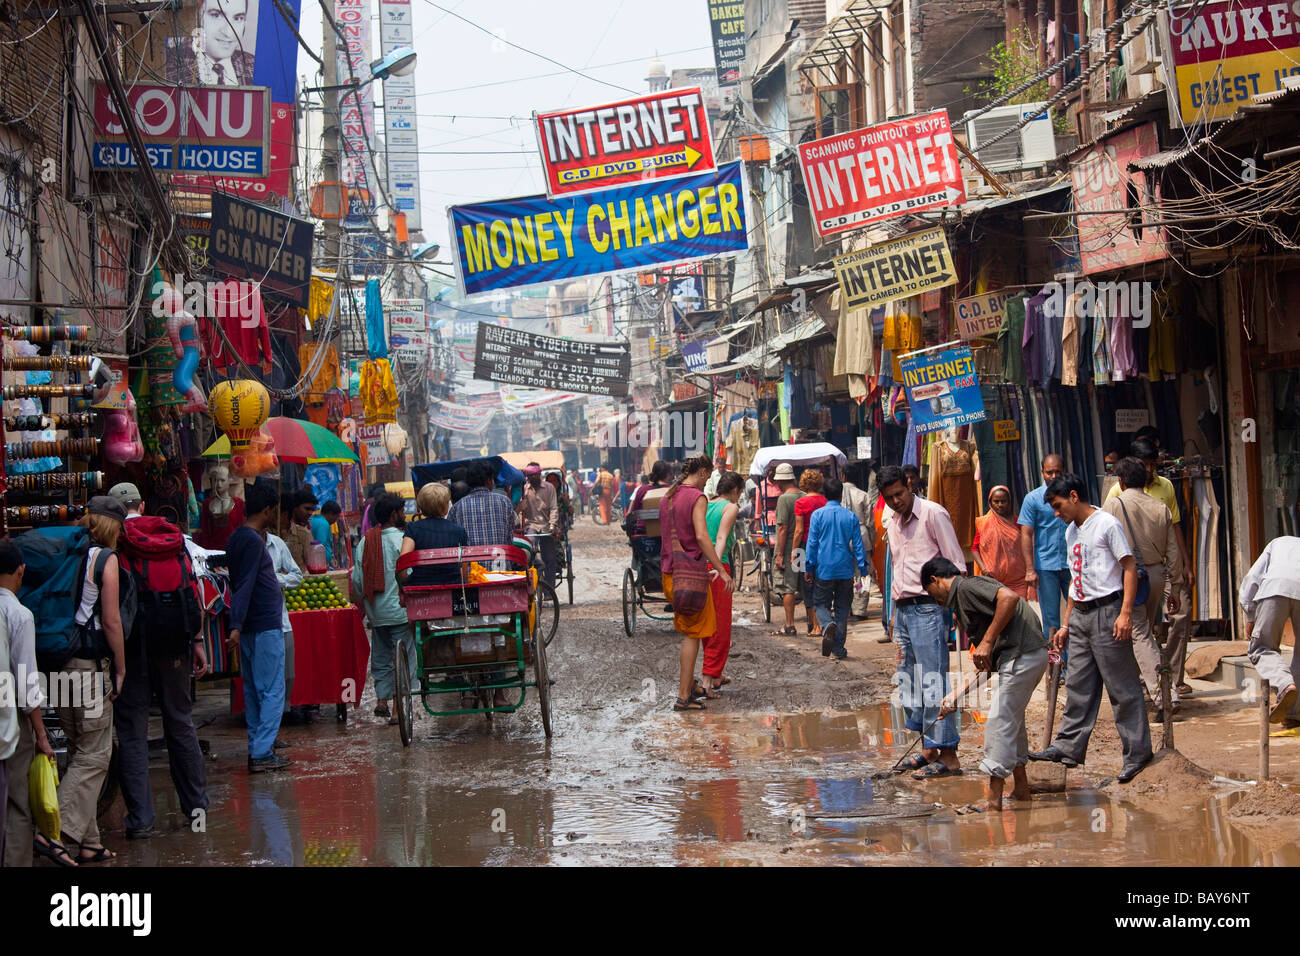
<point x="1006" y="639"/>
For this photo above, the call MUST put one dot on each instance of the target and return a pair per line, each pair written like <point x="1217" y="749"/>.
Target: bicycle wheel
<point x="402" y="694"/>
<point x="542" y="675"/>
<point x="548" y="612"/>
<point x="629" y="602"/>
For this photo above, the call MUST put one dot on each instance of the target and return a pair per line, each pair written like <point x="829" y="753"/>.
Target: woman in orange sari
<point x="997" y="543"/>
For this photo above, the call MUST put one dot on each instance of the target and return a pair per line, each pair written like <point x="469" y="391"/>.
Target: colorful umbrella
<point x="296" y="441"/>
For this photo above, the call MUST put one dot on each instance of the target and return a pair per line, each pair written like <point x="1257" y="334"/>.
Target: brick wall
<point x="950" y="43"/>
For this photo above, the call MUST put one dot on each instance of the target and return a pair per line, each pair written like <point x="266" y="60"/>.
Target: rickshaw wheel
<point x="543" y="676"/>
<point x="402" y="694"/>
<point x="568" y="560"/>
<point x="548" y="611"/>
<point x="629" y="602"/>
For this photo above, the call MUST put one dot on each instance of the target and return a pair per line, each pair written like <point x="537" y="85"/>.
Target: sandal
<point x="914" y="762"/>
<point x="53" y="851"/>
<point x="692" y="704"/>
<point x="100" y="854"/>
<point x="786" y="632"/>
<point x="723" y="682"/>
<point x="382" y="711"/>
<point x="937" y="769"/>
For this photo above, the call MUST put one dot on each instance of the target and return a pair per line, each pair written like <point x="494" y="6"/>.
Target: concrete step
<point x="1240" y="672"/>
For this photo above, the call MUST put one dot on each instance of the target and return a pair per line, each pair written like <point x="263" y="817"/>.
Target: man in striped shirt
<point x="487" y="517"/>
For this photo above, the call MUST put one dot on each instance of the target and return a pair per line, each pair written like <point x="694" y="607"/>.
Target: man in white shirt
<point x="1099" y="625"/>
<point x="289" y="575"/>
<point x="1270" y="594"/>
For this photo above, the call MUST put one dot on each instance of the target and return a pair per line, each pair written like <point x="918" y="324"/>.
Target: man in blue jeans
<point x="256" y="627"/>
<point x="1042" y="544"/>
<point x="834" y="552"/>
<point x="919" y="531"/>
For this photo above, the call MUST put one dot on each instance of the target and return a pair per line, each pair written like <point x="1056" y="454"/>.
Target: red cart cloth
<point x="330" y="656"/>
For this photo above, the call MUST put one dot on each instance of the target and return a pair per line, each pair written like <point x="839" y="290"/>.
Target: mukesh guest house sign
<point x="252" y="242"/>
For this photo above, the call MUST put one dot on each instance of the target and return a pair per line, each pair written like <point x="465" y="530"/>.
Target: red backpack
<point x="170" y="612"/>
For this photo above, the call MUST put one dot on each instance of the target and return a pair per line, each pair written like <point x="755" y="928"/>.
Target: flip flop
<point x="937" y="769"/>
<point x="724" y="681"/>
<point x="786" y="632"/>
<point x="1285" y="701"/>
<point x="692" y="704"/>
<point x="914" y="762"/>
<point x="102" y="854"/>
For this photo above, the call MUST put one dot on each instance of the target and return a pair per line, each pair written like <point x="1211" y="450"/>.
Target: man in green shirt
<point x="1007" y="639"/>
<point x="374" y="580"/>
<point x="785" y="579"/>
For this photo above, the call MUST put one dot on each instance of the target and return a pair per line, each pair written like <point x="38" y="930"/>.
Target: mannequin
<point x="955" y="484"/>
<point x="222" y="513"/>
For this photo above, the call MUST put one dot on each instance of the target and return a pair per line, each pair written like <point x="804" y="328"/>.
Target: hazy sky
<point x="470" y="84"/>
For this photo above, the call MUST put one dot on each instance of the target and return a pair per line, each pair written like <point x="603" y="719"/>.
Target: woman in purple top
<point x="683" y="516"/>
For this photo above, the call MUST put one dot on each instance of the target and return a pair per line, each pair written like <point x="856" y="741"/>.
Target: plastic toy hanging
<point x="122" y="444"/>
<point x="183" y="331"/>
<point x="257" y="458"/>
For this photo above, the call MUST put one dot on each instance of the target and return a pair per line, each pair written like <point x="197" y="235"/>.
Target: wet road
<point x="780" y="771"/>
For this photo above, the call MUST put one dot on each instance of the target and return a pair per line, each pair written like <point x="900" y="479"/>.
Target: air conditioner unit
<point x="1142" y="55"/>
<point x="1033" y="145"/>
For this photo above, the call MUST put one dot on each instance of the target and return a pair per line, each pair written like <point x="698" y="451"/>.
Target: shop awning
<point x="983" y="205"/>
<point x="851" y="26"/>
<point x="808" y="281"/>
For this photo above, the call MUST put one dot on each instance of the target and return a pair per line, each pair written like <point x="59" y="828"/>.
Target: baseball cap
<point x="107" y="506"/>
<point x="784" y="472"/>
<point x="125" y="492"/>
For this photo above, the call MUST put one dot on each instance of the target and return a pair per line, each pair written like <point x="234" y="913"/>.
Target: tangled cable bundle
<point x="67" y="447"/>
<point x="71" y="481"/>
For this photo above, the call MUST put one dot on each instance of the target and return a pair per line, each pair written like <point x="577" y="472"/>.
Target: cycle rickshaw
<point x="762" y="527"/>
<point x="643" y="581"/>
<point x="473" y="637"/>
<point x="552" y="465"/>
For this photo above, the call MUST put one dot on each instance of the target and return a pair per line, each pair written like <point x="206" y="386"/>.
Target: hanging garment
<point x="953" y="485"/>
<point x="320" y="300"/>
<point x="237" y="306"/>
<point x="1070" y="340"/>
<point x="1032" y="342"/>
<point x="1011" y="336"/>
<point x="854" y="348"/>
<point x="783" y="403"/>
<point x="742" y="445"/>
<point x="1208" y="592"/>
<point x="326" y="377"/>
<point x="909" y="443"/>
<point x="1123" y="365"/>
<point x="378" y="392"/>
<point x="902" y="331"/>
<point x="376" y="341"/>
<point x="1053" y="323"/>
<point x="1101" y="364"/>
<point x="1084" y="347"/>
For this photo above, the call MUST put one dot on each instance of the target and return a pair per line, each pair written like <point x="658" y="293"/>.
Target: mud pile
<point x="1169" y="772"/>
<point x="1271" y="799"/>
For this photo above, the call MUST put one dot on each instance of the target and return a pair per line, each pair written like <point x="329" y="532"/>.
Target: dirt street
<point x="779" y="771"/>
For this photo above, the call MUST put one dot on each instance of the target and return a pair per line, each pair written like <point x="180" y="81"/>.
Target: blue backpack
<point x="51" y="590"/>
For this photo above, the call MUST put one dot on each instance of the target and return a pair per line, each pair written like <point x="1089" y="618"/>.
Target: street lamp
<point x="398" y="62"/>
<point x="425" y="250"/>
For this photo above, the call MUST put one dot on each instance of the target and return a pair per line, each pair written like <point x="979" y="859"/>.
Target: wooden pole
<point x="1263" y="731"/>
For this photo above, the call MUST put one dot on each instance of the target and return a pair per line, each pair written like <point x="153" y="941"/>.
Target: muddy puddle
<point x="736" y="789"/>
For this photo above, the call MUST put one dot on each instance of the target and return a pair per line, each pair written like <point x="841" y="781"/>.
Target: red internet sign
<point x="882" y="171"/>
<point x="658" y="136"/>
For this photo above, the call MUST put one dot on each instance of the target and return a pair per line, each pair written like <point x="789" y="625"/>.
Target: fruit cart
<point x="473" y="638"/>
<point x="331" y="651"/>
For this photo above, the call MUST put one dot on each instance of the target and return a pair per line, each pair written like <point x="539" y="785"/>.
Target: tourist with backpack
<point x="256" y="631"/>
<point x="91" y="677"/>
<point x="164" y="652"/>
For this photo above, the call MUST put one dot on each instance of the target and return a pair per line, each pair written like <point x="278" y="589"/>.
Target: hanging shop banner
<point x="372" y="437"/>
<point x="1226" y="52"/>
<point x="1101" y="181"/>
<point x="943" y="390"/>
<point x="980" y="315"/>
<point x="230" y="42"/>
<point x="891" y="169"/>
<point x="357" y="110"/>
<point x="518" y="242"/>
<point x="252" y="242"/>
<point x="727" y="18"/>
<point x="542" y="361"/>
<point x="222" y="130"/>
<point x="696" y="357"/>
<point x="897" y="269"/>
<point x="516" y="399"/>
<point x="407" y="334"/>
<point x="656" y="136"/>
<point x="401" y="141"/>
<point x="459" y="418"/>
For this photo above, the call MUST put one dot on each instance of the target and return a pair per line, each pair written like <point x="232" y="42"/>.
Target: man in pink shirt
<point x="921" y="530"/>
